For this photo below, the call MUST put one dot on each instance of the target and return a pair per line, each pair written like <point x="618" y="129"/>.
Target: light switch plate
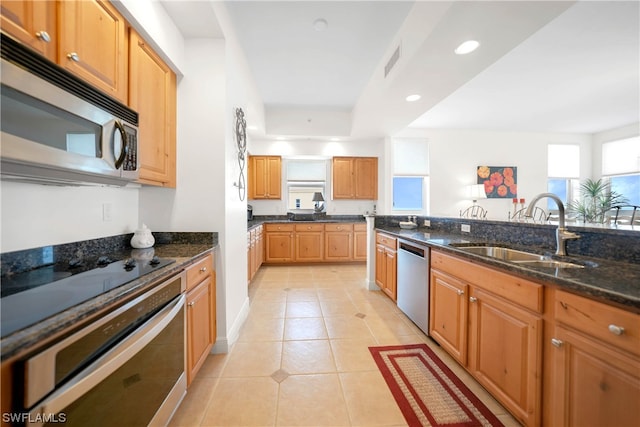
<point x="465" y="228"/>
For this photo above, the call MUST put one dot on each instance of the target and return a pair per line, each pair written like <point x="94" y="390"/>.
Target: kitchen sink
<point x="519" y="257"/>
<point x="504" y="254"/>
<point x="549" y="263"/>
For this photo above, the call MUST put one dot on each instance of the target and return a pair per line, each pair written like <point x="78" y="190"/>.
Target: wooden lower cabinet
<point x="448" y="314"/>
<point x="595" y="357"/>
<point x="505" y="353"/>
<point x="360" y="242"/>
<point x="255" y="251"/>
<point x="338" y="242"/>
<point x="279" y="243"/>
<point x="386" y="264"/>
<point x="309" y="242"/>
<point x="201" y="314"/>
<point x="492" y="324"/>
<point x="314" y="242"/>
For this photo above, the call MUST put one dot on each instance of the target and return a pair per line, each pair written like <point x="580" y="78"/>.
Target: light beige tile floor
<point x="302" y="358"/>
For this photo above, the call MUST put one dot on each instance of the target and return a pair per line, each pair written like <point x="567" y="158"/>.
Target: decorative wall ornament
<point x="241" y="141"/>
<point x="500" y="182"/>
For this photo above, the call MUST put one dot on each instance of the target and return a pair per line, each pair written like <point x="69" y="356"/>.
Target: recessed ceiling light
<point x="467" y="47"/>
<point x="320" y="24"/>
<point x="412" y="98"/>
<point x="335" y="139"/>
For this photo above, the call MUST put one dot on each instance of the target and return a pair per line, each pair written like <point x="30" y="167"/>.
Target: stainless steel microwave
<point x="56" y="129"/>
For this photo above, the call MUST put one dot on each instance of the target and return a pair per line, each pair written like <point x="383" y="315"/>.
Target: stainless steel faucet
<point x="562" y="235"/>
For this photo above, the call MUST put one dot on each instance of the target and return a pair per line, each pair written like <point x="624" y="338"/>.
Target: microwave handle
<point x="125" y="144"/>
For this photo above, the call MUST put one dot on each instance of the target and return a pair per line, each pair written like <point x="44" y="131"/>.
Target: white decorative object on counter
<point x="142" y="238"/>
<point x="408" y="225"/>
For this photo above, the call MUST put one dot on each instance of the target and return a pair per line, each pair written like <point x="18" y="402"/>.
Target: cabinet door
<point x="381" y="266"/>
<point x="249" y="267"/>
<point x="595" y="384"/>
<point x="343" y="178"/>
<point x="359" y="245"/>
<point x="274" y="177"/>
<point x="448" y="314"/>
<point x="309" y="246"/>
<point x="366" y="178"/>
<point x="33" y="23"/>
<point x="152" y="93"/>
<point x="265" y="177"/>
<point x="200" y="326"/>
<point x="93" y="45"/>
<point x="279" y="247"/>
<point x="339" y="246"/>
<point x="505" y="353"/>
<point x="391" y="273"/>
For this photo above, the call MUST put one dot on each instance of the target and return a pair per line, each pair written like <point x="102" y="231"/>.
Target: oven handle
<point x="107" y="364"/>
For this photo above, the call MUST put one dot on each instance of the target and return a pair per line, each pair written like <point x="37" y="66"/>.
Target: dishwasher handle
<point x="418" y="251"/>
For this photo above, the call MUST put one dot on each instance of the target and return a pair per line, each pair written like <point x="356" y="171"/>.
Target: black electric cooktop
<point x="30" y="297"/>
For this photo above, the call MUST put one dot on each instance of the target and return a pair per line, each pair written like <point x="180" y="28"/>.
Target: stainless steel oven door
<point x="139" y="382"/>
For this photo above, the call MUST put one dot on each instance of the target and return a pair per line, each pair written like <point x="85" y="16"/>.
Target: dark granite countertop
<point x="609" y="281"/>
<point x="182" y="247"/>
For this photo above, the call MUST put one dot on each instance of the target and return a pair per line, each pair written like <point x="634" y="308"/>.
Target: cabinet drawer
<point x="279" y="227"/>
<point x="309" y="227"/>
<point x="338" y="227"/>
<point x="516" y="289"/>
<point x="199" y="271"/>
<point x="386" y="240"/>
<point x="361" y="226"/>
<point x="610" y="324"/>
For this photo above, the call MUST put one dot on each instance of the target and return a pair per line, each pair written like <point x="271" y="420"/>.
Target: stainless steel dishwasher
<point x="413" y="282"/>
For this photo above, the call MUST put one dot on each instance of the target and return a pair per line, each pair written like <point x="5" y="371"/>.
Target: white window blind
<point x="410" y="157"/>
<point x="563" y="161"/>
<point x="622" y="156"/>
<point x="306" y="170"/>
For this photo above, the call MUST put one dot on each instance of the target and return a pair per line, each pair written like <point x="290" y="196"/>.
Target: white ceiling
<point x="542" y="65"/>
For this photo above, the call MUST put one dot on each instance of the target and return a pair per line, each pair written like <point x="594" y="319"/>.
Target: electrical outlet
<point x="465" y="228"/>
<point x="107" y="209"/>
<point x="427" y="223"/>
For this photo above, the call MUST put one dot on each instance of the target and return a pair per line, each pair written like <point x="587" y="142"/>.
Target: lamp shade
<point x="317" y="197"/>
<point x="476" y="191"/>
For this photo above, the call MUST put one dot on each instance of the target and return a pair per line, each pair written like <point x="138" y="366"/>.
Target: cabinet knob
<point x="309" y="227"/>
<point x="44" y="36"/>
<point x="73" y="56"/>
<point x="556" y="342"/>
<point x="203" y="269"/>
<point x="460" y="292"/>
<point x="191" y="304"/>
<point x="616" y="330"/>
<point x="473" y="299"/>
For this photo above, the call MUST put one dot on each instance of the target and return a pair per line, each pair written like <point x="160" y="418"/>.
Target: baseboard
<point x="224" y="344"/>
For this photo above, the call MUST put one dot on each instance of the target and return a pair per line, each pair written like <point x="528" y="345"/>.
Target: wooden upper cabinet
<point x="152" y="93"/>
<point x="265" y="177"/>
<point x="33" y="23"/>
<point x="93" y="44"/>
<point x="355" y="178"/>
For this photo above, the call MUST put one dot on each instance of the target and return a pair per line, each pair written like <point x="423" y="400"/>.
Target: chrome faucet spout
<point x="562" y="235"/>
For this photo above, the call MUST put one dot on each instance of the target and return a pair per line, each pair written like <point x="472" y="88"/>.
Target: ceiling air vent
<point x="392" y="61"/>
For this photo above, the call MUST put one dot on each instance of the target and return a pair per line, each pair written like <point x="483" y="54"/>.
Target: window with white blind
<point x="563" y="173"/>
<point x="304" y="178"/>
<point x="621" y="166"/>
<point x="410" y="184"/>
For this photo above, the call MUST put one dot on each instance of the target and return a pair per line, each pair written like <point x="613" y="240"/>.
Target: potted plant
<point x="596" y="198"/>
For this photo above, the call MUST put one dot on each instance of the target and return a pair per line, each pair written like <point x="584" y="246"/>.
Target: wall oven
<point x="56" y="129"/>
<point x="125" y="369"/>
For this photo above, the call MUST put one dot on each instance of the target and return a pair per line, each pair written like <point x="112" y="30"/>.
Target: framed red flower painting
<point x="500" y="182"/>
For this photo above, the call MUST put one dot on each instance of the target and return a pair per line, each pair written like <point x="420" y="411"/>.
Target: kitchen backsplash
<point x="613" y="244"/>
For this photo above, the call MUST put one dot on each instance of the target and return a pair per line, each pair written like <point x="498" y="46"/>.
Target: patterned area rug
<point x="427" y="391"/>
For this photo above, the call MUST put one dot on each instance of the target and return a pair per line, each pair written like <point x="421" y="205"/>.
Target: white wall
<point x="36" y="215"/>
<point x="326" y="150"/>
<point x="455" y="155"/>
